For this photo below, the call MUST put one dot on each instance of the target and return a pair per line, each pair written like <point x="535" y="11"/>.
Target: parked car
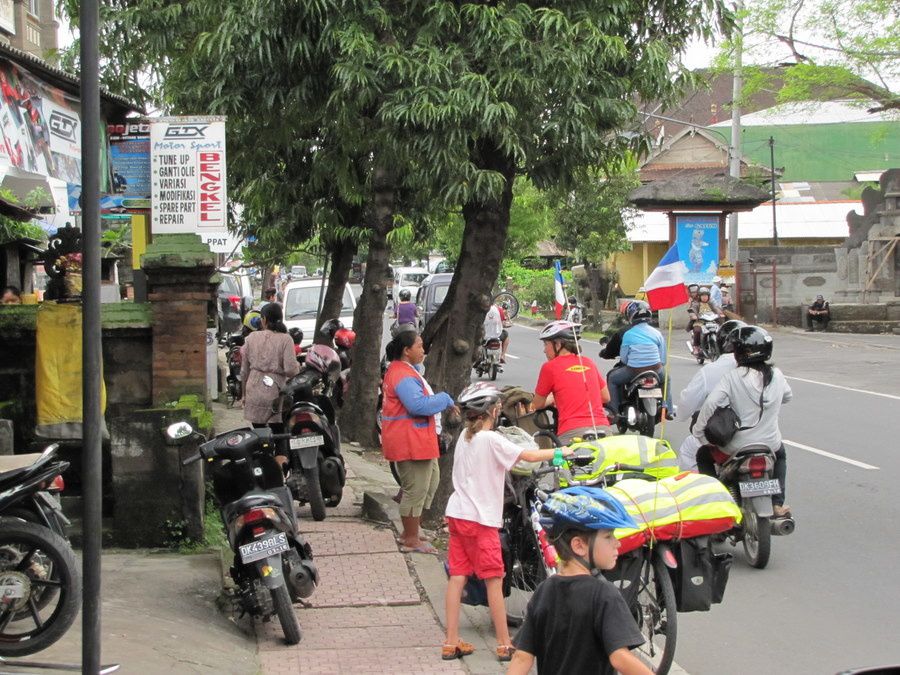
<point x="301" y="306"/>
<point x="430" y="296"/>
<point x="408" y="278"/>
<point x="298" y="271"/>
<point x="235" y="298"/>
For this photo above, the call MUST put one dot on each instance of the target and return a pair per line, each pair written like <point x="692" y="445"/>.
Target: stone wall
<point x="801" y="273"/>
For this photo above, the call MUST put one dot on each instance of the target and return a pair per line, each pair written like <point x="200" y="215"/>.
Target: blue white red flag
<point x="665" y="286"/>
<point x="559" y="293"/>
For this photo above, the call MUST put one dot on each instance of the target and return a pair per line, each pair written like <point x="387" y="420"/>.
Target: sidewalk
<point x="370" y="612"/>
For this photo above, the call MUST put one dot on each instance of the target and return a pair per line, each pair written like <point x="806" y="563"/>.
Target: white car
<point x="301" y="305"/>
<point x="407" y="279"/>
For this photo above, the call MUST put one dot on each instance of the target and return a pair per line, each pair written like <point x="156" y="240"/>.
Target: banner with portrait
<point x="697" y="238"/>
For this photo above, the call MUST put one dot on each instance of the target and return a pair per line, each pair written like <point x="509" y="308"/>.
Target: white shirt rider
<point x="493" y="324"/>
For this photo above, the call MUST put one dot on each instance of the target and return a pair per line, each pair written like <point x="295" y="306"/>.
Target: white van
<point x="301" y="305"/>
<point x="408" y="279"/>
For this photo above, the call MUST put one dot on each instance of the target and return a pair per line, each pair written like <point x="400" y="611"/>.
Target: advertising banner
<point x="697" y="238"/>
<point x="129" y="150"/>
<point x="188" y="175"/>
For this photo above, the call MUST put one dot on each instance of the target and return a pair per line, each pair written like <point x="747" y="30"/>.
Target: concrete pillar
<point x="179" y="268"/>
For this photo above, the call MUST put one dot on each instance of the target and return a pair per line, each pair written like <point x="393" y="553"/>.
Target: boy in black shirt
<point x="577" y="621"/>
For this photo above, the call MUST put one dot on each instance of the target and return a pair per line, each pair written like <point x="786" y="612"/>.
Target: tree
<point x="592" y="221"/>
<point x="833" y="48"/>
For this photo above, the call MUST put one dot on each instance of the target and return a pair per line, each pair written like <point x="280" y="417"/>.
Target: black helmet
<point x="728" y="329"/>
<point x="405" y="294"/>
<point x="330" y="327"/>
<point x="572" y="300"/>
<point x="296" y="335"/>
<point x="752" y="344"/>
<point x="641" y="313"/>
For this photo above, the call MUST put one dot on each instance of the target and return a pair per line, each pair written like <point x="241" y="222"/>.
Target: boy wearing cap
<point x="818" y="312"/>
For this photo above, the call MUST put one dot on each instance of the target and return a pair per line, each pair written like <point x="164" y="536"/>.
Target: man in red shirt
<point x="572" y="382"/>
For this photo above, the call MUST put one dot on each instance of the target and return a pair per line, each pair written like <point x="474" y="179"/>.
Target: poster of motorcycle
<point x="697" y="238"/>
<point x="40" y="126"/>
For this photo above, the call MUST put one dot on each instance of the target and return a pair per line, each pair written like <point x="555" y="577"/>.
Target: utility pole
<point x="735" y="149"/>
<point x="92" y="416"/>
<point x="772" y="167"/>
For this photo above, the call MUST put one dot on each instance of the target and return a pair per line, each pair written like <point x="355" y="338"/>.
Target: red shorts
<point x="474" y="549"/>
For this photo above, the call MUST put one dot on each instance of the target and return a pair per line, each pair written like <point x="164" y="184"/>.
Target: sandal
<point x="505" y="653"/>
<point x="423" y="547"/>
<point x="460" y="649"/>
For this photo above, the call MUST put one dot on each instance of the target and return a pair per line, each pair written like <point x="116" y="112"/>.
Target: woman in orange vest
<point x="408" y="433"/>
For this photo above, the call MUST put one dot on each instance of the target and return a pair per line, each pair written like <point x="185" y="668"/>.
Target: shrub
<point x="528" y="285"/>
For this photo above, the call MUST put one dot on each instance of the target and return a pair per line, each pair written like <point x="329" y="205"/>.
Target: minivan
<point x="301" y="306"/>
<point x="430" y="296"/>
<point x="408" y="279"/>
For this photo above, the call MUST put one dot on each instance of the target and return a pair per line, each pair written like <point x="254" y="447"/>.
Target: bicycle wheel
<point x="509" y="302"/>
<point x="525" y="573"/>
<point x="656" y="616"/>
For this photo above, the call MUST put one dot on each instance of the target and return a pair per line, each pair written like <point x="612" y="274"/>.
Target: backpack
<point x="724" y="423"/>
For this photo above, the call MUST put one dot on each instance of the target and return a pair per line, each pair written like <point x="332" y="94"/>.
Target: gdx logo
<point x="63" y="126"/>
<point x="186" y="131"/>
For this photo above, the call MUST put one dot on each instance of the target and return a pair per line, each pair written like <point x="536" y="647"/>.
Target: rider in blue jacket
<point x="643" y="348"/>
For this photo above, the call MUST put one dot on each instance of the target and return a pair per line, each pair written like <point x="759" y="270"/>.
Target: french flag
<point x="665" y="286"/>
<point x="559" y="294"/>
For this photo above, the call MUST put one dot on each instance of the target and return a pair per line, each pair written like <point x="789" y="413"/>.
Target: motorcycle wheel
<point x="656" y="616"/>
<point x="646" y="425"/>
<point x="526" y="572"/>
<point x="494" y="370"/>
<point x="22" y="544"/>
<point x="287" y="617"/>
<point x="314" y="493"/>
<point x="45" y="595"/>
<point x="757" y="539"/>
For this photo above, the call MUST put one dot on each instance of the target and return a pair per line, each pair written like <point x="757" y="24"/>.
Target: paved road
<point x="828" y="599"/>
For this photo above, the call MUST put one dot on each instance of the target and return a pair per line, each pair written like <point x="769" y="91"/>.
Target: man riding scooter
<point x="643" y="348"/>
<point x="698" y="308"/>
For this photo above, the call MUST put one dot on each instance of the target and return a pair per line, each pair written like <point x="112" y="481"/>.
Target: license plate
<point x="307" y="442"/>
<point x="759" y="488"/>
<point x="263" y="548"/>
<point x="649" y="393"/>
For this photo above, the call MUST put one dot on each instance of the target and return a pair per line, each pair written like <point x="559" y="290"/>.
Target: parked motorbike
<point x="273" y="564"/>
<point x="232" y="344"/>
<point x="749" y="476"/>
<point x="317" y="474"/>
<point x="709" y="344"/>
<point x="40" y="582"/>
<point x="488" y="359"/>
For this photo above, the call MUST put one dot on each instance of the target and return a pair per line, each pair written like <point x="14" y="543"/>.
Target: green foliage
<point x="838" y="48"/>
<point x="214" y="537"/>
<point x="528" y="284"/>
<point x="116" y="241"/>
<point x="12" y="229"/>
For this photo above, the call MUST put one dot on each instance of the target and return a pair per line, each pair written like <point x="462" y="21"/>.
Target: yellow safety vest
<point x="655" y="455"/>
<point x="676" y="507"/>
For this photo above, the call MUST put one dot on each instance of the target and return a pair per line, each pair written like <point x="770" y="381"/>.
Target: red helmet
<point x="344" y="337"/>
<point x="324" y="360"/>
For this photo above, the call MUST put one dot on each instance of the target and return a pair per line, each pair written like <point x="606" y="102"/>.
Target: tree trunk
<point x="593" y="279"/>
<point x="341" y="261"/>
<point x="358" y="415"/>
<point x="453" y="334"/>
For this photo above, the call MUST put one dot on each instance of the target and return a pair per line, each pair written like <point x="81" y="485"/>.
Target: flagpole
<point x="662" y="427"/>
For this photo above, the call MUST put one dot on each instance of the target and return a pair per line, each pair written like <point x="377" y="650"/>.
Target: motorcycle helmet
<point x="330" y="327"/>
<point x="344" y="337"/>
<point x="704" y="290"/>
<point x="296" y="335"/>
<point x="717" y="279"/>
<point x="727" y="329"/>
<point x="325" y="360"/>
<point x="397" y="328"/>
<point x="641" y="313"/>
<point x="573" y="300"/>
<point x="479" y="397"/>
<point x="253" y="320"/>
<point x="693" y="287"/>
<point x="752" y="344"/>
<point x="405" y="295"/>
<point x="586" y="508"/>
<point x="560" y="330"/>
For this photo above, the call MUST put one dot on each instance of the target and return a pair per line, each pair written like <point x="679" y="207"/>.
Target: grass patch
<point x="213" y="531"/>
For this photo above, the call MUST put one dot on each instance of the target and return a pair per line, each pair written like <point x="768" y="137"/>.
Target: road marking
<point x="838" y="386"/>
<point x="510" y="356"/>
<point x="831" y="455"/>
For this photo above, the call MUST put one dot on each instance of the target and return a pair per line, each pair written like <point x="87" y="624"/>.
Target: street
<point x="827" y="601"/>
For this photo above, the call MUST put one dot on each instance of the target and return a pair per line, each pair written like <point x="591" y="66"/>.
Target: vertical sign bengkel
<point x="188" y="175"/>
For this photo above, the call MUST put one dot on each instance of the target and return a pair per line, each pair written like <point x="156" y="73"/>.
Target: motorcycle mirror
<point x="179" y="431"/>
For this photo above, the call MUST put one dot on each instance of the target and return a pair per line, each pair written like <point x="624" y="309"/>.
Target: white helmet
<point x="479" y="397"/>
<point x="717" y="279"/>
<point x="560" y="330"/>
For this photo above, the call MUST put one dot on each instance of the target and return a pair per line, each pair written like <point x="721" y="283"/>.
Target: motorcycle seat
<point x="16" y="462"/>
<point x="644" y="374"/>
